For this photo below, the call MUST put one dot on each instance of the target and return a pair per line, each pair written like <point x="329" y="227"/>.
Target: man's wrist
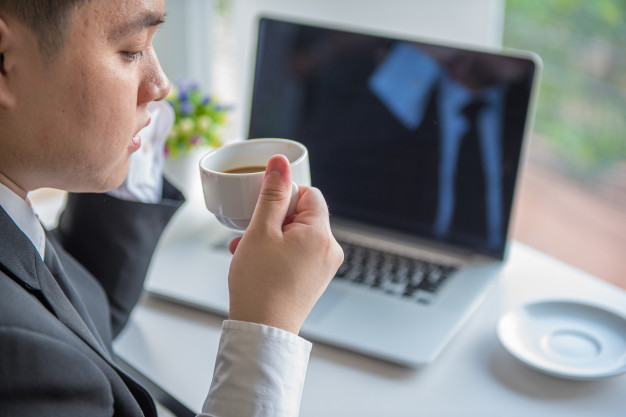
<point x="282" y="323"/>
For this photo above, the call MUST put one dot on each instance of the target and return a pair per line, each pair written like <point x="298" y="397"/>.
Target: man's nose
<point x="155" y="86"/>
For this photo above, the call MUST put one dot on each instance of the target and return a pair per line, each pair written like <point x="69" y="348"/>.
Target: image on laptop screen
<point x="410" y="136"/>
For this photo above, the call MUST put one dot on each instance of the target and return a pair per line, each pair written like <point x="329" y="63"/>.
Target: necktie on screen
<point x="471" y="111"/>
<point x="469" y="181"/>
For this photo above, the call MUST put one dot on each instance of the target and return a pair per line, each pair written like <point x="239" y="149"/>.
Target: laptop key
<point x="343" y="268"/>
<point x="392" y="274"/>
<point x="395" y="288"/>
<point x="369" y="278"/>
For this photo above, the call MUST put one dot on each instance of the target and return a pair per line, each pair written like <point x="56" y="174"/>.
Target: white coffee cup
<point x="232" y="197"/>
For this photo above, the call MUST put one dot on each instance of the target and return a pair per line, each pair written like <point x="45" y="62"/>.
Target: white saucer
<point x="566" y="338"/>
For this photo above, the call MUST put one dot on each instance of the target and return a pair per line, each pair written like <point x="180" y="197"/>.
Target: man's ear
<point x="6" y="64"/>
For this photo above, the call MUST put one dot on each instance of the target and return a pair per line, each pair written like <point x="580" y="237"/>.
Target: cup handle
<point x="295" y="195"/>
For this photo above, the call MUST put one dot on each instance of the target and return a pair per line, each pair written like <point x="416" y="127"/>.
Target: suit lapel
<point x="19" y="260"/>
<point x="57" y="290"/>
<point x="17" y="254"/>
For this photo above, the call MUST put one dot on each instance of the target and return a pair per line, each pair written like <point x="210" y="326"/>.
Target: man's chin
<point x="102" y="185"/>
<point x="115" y="183"/>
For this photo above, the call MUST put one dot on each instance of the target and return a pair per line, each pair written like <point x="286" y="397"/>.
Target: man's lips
<point x="135" y="142"/>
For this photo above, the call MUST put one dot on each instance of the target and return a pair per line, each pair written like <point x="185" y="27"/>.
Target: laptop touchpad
<point x="326" y="303"/>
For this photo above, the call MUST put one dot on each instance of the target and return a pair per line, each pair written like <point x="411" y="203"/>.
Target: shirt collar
<point x="454" y="96"/>
<point x="404" y="83"/>
<point x="24" y="217"/>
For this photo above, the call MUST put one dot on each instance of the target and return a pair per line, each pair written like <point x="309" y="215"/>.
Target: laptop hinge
<point x="399" y="244"/>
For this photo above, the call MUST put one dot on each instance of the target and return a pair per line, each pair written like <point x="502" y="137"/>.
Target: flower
<point x="198" y="118"/>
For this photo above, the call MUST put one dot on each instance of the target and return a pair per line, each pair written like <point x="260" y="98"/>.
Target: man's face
<point x="76" y="119"/>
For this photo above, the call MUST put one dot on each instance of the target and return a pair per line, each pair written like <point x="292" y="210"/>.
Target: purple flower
<point x="195" y="139"/>
<point x="187" y="84"/>
<point x="186" y="108"/>
<point x="206" y="100"/>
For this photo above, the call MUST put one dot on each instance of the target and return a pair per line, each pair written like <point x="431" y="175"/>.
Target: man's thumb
<point x="271" y="208"/>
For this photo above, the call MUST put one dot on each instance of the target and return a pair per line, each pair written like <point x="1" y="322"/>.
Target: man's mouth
<point x="135" y="142"/>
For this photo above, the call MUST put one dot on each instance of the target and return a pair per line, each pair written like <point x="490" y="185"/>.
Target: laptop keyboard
<point x="392" y="274"/>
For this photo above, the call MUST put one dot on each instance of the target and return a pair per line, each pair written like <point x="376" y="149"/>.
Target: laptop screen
<point x="410" y="136"/>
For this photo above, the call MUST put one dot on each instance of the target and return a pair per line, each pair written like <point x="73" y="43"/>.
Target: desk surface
<point x="474" y="375"/>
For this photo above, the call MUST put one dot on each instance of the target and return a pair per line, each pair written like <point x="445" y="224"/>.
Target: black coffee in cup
<point x="245" y="170"/>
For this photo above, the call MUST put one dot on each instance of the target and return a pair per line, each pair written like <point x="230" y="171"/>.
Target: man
<point x="76" y="77"/>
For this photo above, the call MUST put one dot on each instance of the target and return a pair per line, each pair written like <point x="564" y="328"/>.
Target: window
<point x="572" y="201"/>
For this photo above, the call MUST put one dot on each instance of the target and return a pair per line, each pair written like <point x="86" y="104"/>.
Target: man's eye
<point x="132" y="56"/>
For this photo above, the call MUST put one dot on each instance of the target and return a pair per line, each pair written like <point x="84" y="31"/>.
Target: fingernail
<point x="272" y="173"/>
<point x="275" y="168"/>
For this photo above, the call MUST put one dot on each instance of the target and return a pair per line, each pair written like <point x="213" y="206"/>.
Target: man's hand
<point x="282" y="266"/>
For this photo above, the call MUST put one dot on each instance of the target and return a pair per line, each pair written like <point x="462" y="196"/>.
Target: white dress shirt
<point x="259" y="370"/>
<point x="24" y="217"/>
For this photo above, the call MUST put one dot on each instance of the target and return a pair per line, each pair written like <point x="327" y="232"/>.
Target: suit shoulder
<point x="22" y="308"/>
<point x="43" y="375"/>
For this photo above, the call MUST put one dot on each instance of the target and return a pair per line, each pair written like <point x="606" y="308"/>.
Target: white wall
<point x="184" y="43"/>
<point x="475" y="22"/>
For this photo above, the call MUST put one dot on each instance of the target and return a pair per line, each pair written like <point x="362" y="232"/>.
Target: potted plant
<point x="197" y="122"/>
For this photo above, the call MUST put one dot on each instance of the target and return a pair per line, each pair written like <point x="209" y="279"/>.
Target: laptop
<point x="416" y="147"/>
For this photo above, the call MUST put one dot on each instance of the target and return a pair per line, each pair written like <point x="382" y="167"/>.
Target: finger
<point x="312" y="201"/>
<point x="271" y="208"/>
<point x="232" y="247"/>
<point x="312" y="210"/>
<point x="289" y="220"/>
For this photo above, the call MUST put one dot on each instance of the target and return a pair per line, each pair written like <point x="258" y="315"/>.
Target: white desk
<point x="474" y="376"/>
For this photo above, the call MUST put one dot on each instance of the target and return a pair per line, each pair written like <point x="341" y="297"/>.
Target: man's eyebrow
<point x="143" y="21"/>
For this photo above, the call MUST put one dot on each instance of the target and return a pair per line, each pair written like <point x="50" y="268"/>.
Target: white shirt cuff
<point x="259" y="371"/>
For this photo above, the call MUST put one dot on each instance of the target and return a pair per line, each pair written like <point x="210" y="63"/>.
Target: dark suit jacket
<point x="56" y="329"/>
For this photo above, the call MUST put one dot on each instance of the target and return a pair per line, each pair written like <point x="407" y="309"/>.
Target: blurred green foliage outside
<point x="581" y="111"/>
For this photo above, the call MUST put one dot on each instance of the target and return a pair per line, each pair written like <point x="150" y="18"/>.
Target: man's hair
<point x="49" y="20"/>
